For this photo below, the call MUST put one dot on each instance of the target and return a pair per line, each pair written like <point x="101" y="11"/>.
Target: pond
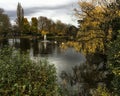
<point x="65" y="61"/>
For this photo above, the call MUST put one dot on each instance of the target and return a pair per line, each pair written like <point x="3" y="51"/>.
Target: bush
<point x="114" y="64"/>
<point x="20" y="76"/>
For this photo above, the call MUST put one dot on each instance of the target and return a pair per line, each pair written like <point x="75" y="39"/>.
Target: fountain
<point x="45" y="41"/>
<point x="44" y="37"/>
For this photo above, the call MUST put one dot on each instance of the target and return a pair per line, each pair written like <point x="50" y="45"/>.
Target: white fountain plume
<point x="45" y="37"/>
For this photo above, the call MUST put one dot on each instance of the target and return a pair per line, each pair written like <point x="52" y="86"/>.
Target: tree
<point x="4" y="23"/>
<point x="99" y="26"/>
<point x="115" y="22"/>
<point x="114" y="63"/>
<point x="90" y="34"/>
<point x="34" y="25"/>
<point x="42" y="23"/>
<point x="26" y="26"/>
<point x="15" y="31"/>
<point x="71" y="31"/>
<point x="96" y="25"/>
<point x="20" y="17"/>
<point x="50" y="26"/>
<point x="60" y="28"/>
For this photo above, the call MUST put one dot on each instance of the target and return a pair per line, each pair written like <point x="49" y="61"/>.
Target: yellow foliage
<point x="109" y="34"/>
<point x="93" y="40"/>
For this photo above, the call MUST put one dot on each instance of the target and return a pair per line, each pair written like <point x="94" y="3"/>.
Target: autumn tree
<point x="52" y="29"/>
<point x="26" y="26"/>
<point x="71" y="31"/>
<point x="90" y="35"/>
<point x="50" y="26"/>
<point x="44" y="24"/>
<point x="20" y="17"/>
<point x="95" y="21"/>
<point x="60" y="28"/>
<point x="99" y="26"/>
<point x="114" y="9"/>
<point x="34" y="25"/>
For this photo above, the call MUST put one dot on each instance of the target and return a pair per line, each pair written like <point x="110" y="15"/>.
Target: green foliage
<point x="26" y="26"/>
<point x="4" y="23"/>
<point x="34" y="25"/>
<point x="116" y="85"/>
<point x="114" y="63"/>
<point x="20" y="76"/>
<point x="114" y="56"/>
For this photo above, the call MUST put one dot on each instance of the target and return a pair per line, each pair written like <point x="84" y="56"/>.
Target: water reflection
<point x="24" y="44"/>
<point x="3" y="42"/>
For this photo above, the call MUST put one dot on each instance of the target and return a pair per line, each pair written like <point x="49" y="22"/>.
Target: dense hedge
<point x="20" y="76"/>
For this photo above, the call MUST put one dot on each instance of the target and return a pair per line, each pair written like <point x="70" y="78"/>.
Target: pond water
<point x="63" y="60"/>
<point x="66" y="61"/>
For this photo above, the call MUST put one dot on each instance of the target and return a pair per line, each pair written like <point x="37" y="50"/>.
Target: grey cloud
<point x="52" y="7"/>
<point x="11" y="14"/>
<point x="61" y="9"/>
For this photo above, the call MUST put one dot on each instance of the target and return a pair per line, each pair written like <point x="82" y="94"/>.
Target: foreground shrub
<point x="20" y="76"/>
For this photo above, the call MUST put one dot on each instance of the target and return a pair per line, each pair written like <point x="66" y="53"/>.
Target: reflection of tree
<point x="3" y="42"/>
<point x="24" y="44"/>
<point x="35" y="48"/>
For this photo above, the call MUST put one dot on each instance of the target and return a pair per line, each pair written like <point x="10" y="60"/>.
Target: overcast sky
<point x="54" y="9"/>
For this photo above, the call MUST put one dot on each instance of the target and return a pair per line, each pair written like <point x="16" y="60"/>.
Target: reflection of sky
<point x="54" y="9"/>
<point x="67" y="60"/>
